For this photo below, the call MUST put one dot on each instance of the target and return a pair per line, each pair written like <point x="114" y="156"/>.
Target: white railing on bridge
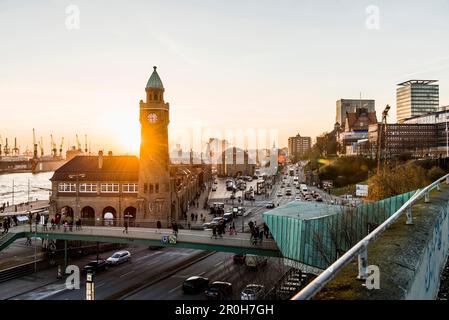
<point x="361" y="248"/>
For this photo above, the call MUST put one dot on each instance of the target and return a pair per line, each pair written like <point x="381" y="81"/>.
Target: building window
<point x="151" y="188"/>
<point x="67" y="187"/>
<point x="156" y="188"/>
<point x="130" y="188"/>
<point x="88" y="187"/>
<point x="109" y="187"/>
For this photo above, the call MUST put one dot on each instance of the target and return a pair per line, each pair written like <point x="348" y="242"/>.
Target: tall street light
<point x="77" y="176"/>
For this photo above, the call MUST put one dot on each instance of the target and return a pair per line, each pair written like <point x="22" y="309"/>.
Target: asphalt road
<point x="217" y="267"/>
<point x="144" y="264"/>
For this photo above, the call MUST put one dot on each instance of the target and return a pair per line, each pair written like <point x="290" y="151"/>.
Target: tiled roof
<point x="114" y="168"/>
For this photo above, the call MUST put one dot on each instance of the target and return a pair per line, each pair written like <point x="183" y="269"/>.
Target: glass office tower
<point x="415" y="98"/>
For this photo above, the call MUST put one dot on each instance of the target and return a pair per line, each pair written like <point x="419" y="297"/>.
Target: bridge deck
<point x="197" y="239"/>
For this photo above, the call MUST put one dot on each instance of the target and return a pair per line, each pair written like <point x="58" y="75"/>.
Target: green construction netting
<point x="316" y="234"/>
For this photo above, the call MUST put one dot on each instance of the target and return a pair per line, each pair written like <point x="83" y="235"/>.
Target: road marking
<point x="217" y="264"/>
<point x="127" y="273"/>
<point x="175" y="288"/>
<point x="202" y="273"/>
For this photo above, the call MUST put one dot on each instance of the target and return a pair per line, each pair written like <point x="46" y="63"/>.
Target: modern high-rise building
<point x="298" y="146"/>
<point x="415" y="98"/>
<point x="351" y="105"/>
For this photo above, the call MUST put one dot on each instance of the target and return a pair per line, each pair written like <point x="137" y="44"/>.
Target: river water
<point x="40" y="186"/>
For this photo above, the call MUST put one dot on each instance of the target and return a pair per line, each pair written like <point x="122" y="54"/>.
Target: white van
<point x="303" y="187"/>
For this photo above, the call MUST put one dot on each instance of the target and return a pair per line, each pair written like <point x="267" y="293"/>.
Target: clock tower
<point x="154" y="173"/>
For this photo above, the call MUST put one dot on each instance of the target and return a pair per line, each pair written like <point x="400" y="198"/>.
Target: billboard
<point x="361" y="190"/>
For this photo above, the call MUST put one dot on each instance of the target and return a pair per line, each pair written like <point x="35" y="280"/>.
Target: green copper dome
<point x="155" y="81"/>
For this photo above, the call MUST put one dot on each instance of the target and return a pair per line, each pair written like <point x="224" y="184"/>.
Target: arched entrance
<point x="67" y="214"/>
<point x="109" y="216"/>
<point x="130" y="215"/>
<point x="88" y="216"/>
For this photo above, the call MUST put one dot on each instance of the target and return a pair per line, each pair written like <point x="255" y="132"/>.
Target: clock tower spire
<point x="154" y="173"/>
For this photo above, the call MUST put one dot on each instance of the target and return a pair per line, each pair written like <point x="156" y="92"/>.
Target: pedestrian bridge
<point x="192" y="239"/>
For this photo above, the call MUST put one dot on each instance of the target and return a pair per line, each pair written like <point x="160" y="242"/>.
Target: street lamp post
<point x="77" y="176"/>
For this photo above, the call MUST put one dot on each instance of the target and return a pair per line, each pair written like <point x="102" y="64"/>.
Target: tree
<point x="434" y="173"/>
<point x="401" y="179"/>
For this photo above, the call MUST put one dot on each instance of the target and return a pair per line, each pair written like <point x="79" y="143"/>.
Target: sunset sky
<point x="225" y="64"/>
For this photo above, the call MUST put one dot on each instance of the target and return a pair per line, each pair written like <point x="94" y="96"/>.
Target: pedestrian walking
<point x="192" y="216"/>
<point x="214" y="232"/>
<point x="80" y="224"/>
<point x="175" y="228"/>
<point x="14" y="218"/>
<point x="38" y="218"/>
<point x="28" y="242"/>
<point x="126" y="227"/>
<point x="261" y="236"/>
<point x="52" y="221"/>
<point x="158" y="226"/>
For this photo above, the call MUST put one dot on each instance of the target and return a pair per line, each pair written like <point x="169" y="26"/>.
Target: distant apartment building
<point x="298" y="146"/>
<point x="415" y="98"/>
<point x="351" y="105"/>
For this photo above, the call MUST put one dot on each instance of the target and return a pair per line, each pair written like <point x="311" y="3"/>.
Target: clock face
<point x="152" y="117"/>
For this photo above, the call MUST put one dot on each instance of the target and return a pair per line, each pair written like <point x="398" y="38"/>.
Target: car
<point x="239" y="258"/>
<point x="219" y="290"/>
<point x="279" y="194"/>
<point x="232" y="197"/>
<point x="252" y="292"/>
<point x="216" y="221"/>
<point x="215" y="182"/>
<point x="270" y="205"/>
<point x="319" y="199"/>
<point x="119" y="257"/>
<point x="195" y="284"/>
<point x="227" y="217"/>
<point x="155" y="247"/>
<point x="249" y="179"/>
<point x="297" y="198"/>
<point x="207" y="225"/>
<point x="96" y="265"/>
<point x="214" y="188"/>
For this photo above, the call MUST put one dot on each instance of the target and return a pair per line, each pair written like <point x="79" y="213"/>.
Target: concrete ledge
<point x="410" y="257"/>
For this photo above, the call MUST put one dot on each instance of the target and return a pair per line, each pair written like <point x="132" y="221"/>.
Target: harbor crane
<point x="60" y="146"/>
<point x="34" y="145"/>
<point x="15" y="150"/>
<point x="6" y="149"/>
<point x="85" y="143"/>
<point x="53" y="146"/>
<point x="41" y="146"/>
<point x="78" y="143"/>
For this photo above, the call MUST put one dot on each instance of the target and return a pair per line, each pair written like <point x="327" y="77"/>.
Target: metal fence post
<point x="409" y="215"/>
<point x="438" y="186"/>
<point x="363" y="261"/>
<point x="447" y="180"/>
<point x="426" y="198"/>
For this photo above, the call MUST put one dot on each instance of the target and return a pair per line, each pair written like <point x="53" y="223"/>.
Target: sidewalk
<point x="23" y="207"/>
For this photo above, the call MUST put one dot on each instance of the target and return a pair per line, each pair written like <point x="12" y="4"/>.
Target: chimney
<point x="100" y="159"/>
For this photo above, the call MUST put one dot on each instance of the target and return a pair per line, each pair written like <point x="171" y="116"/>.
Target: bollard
<point x="363" y="261"/>
<point x="409" y="216"/>
<point x="426" y="198"/>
